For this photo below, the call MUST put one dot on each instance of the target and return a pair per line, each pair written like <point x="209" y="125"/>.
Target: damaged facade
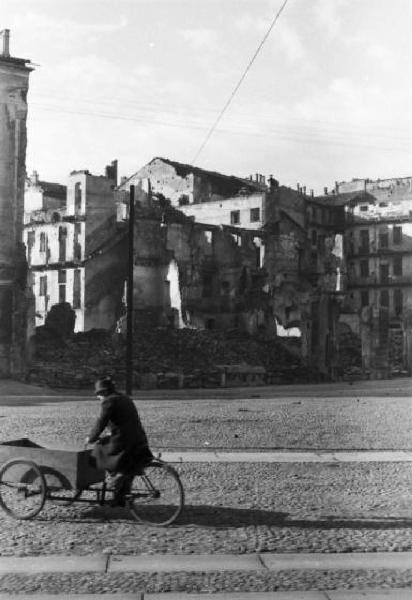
<point x="14" y="297"/>
<point x="266" y="275"/>
<point x="222" y="253"/>
<point x="378" y="247"/>
<point x="75" y="247"/>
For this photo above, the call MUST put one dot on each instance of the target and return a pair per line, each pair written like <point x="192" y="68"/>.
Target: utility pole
<point x="129" y="297"/>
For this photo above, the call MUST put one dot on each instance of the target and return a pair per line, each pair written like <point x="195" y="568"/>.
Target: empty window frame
<point x="383" y="239"/>
<point x="397" y="265"/>
<point x="43" y="242"/>
<point x="62" y="244"/>
<point x="384" y="273"/>
<point x="77" y="288"/>
<point x="77" y="247"/>
<point x="235" y="217"/>
<point x="364" y="240"/>
<point x="364" y="268"/>
<point x="31" y="240"/>
<point x="364" y="297"/>
<point x="384" y="297"/>
<point x="43" y="285"/>
<point x="77" y="198"/>
<point x="398" y="301"/>
<point x="314" y="237"/>
<point x="254" y="215"/>
<point x="62" y="292"/>
<point x="397" y="234"/>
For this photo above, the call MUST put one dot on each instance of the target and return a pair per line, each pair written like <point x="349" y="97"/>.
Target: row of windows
<point x="62" y="236"/>
<point x="62" y="278"/>
<point x="384" y="298"/>
<point x="322" y="215"/>
<point x="253" y="217"/>
<point x="383" y="238"/>
<point x="397" y="268"/>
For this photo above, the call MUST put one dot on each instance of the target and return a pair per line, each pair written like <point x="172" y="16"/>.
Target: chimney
<point x="257" y="177"/>
<point x="304" y="189"/>
<point x="34" y="178"/>
<point x="311" y="193"/>
<point x="5" y="39"/>
<point x="298" y="187"/>
<point x="325" y="191"/>
<point x="273" y="183"/>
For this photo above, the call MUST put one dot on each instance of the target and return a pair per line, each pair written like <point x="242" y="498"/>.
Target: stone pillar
<point x="14" y="82"/>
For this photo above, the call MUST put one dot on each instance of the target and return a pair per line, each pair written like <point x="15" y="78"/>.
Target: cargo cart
<point x="31" y="474"/>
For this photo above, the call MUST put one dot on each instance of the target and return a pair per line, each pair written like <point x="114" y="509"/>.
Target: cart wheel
<point x="22" y="488"/>
<point x="157" y="495"/>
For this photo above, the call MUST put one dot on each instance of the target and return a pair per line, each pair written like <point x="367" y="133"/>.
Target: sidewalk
<point x="107" y="563"/>
<point x="393" y="594"/>
<point x="246" y="563"/>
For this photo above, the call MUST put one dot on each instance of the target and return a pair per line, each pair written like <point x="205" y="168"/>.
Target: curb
<point x="103" y="563"/>
<point x="365" y="594"/>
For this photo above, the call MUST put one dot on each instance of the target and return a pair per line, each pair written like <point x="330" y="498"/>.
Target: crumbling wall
<point x="105" y="274"/>
<point x="218" y="269"/>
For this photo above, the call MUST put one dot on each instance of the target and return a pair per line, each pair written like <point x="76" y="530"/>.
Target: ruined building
<point x="242" y="255"/>
<point x="378" y="248"/>
<point x="14" y="83"/>
<point x="75" y="248"/>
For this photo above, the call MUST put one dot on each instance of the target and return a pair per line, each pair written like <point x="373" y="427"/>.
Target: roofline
<point x="258" y="186"/>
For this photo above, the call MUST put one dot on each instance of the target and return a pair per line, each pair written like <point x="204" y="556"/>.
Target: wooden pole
<point x="129" y="297"/>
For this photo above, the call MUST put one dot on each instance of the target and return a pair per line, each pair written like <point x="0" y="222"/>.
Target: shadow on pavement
<point x="216" y="517"/>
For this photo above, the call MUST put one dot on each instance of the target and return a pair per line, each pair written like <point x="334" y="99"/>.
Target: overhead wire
<point x="179" y="110"/>
<point x="286" y="133"/>
<point x="239" y="83"/>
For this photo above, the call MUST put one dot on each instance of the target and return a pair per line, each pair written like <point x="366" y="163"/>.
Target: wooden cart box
<point x="73" y="469"/>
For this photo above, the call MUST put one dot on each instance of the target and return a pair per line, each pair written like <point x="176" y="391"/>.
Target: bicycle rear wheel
<point x="157" y="495"/>
<point x="22" y="489"/>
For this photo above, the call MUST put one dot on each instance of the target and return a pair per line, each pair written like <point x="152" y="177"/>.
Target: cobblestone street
<point x="236" y="508"/>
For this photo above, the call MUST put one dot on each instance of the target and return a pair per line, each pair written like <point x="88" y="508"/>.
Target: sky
<point x="328" y="98"/>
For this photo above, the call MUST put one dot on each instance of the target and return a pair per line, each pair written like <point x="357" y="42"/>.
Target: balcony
<point x="371" y="219"/>
<point x="372" y="250"/>
<point x="374" y="281"/>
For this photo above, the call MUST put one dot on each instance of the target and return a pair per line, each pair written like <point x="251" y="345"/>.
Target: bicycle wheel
<point x="22" y="488"/>
<point x="157" y="495"/>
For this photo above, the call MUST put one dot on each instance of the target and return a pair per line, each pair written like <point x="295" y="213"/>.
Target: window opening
<point x="235" y="217"/>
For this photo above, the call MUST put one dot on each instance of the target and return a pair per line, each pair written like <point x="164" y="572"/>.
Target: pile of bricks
<point x="166" y="358"/>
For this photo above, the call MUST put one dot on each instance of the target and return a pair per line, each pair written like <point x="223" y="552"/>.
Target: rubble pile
<point x="163" y="357"/>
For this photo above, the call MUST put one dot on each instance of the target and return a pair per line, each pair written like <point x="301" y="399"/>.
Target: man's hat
<point x="103" y="385"/>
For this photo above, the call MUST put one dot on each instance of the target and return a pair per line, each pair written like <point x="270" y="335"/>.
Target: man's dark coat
<point x="126" y="449"/>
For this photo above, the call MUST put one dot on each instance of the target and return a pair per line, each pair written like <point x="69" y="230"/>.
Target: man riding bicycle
<point x="126" y="449"/>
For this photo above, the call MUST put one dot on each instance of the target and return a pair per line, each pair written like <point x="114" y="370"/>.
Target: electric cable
<point x="239" y="83"/>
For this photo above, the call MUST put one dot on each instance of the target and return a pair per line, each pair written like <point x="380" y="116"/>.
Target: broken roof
<point x="340" y="199"/>
<point x="54" y="190"/>
<point x="226" y="185"/>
